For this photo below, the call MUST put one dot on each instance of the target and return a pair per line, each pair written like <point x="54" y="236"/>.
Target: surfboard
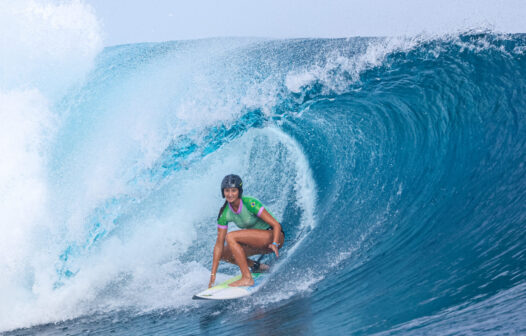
<point x="224" y="292"/>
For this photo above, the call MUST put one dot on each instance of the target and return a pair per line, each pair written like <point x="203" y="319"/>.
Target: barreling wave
<point x="395" y="165"/>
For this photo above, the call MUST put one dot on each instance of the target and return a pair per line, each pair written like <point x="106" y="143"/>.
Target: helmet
<point x="231" y="181"/>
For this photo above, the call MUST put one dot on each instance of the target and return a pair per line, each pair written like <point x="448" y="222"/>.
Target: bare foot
<point x="242" y="282"/>
<point x="263" y="268"/>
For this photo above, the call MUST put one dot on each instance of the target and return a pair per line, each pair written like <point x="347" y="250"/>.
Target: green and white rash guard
<point x="246" y="217"/>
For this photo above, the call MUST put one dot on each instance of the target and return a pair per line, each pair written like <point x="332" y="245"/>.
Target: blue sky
<point x="127" y="21"/>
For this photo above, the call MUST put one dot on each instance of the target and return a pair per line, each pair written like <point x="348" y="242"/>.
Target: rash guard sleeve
<point x="222" y="221"/>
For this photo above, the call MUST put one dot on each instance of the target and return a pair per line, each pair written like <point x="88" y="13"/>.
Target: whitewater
<point x="395" y="165"/>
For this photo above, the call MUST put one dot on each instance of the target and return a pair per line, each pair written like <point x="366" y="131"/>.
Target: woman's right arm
<point x="218" y="251"/>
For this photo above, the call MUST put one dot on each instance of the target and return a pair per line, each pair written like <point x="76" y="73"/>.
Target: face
<point x="231" y="194"/>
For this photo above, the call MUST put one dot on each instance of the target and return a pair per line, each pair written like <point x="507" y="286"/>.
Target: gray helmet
<point x="231" y="181"/>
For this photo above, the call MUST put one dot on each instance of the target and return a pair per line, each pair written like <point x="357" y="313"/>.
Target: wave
<point x="395" y="165"/>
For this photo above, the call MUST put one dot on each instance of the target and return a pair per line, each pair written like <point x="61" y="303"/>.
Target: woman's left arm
<point x="276" y="230"/>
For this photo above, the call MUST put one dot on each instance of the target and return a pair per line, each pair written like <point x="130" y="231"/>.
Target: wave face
<point x="395" y="165"/>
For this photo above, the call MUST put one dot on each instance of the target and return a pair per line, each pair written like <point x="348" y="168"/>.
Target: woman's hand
<point x="274" y="248"/>
<point x="276" y="231"/>
<point x="212" y="280"/>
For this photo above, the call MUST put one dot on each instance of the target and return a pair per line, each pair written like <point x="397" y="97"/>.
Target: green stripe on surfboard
<point x="229" y="281"/>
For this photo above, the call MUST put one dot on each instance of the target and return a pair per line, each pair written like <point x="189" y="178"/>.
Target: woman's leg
<point x="228" y="256"/>
<point x="243" y="243"/>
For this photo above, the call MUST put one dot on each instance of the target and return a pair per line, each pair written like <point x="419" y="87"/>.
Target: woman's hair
<point x="221" y="211"/>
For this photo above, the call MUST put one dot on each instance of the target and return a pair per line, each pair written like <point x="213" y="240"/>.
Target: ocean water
<point x="395" y="165"/>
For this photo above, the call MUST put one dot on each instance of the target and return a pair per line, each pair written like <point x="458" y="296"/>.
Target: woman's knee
<point x="230" y="238"/>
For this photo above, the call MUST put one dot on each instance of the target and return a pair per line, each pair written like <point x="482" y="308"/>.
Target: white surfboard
<point x="224" y="292"/>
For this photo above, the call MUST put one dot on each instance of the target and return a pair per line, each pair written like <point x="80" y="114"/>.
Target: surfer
<point x="260" y="234"/>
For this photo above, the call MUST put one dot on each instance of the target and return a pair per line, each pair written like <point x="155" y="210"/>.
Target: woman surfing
<point x="260" y="232"/>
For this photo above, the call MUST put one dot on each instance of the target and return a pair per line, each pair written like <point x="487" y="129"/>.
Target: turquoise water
<point x="396" y="167"/>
